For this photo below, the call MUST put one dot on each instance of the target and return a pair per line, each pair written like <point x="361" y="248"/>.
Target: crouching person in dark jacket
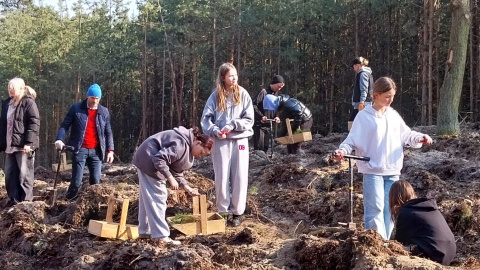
<point x="91" y="137"/>
<point x="19" y="126"/>
<point x="288" y="107"/>
<point x="419" y="224"/>
<point x="160" y="158"/>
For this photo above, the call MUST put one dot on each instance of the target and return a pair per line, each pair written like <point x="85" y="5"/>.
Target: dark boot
<point x="236" y="220"/>
<point x="71" y="194"/>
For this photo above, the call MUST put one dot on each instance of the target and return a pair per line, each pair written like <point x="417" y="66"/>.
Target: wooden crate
<point x="110" y="229"/>
<point x="293" y="138"/>
<point x="204" y="223"/>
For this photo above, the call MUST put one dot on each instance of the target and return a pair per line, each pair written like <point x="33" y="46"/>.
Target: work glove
<point x="59" y="145"/>
<point x="27" y="149"/>
<point x="110" y="157"/>
<point x="220" y="134"/>
<point x="227" y="129"/>
<point x="361" y="106"/>
<point x="424" y="139"/>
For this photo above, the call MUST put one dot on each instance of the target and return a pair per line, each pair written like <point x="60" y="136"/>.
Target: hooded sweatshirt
<point x="382" y="138"/>
<point x="239" y="116"/>
<point x="167" y="152"/>
<point x="420" y="223"/>
<point x="363" y="85"/>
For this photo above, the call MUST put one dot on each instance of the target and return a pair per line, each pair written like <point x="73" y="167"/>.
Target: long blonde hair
<point x="21" y="90"/>
<point x="400" y="192"/>
<point x="222" y="91"/>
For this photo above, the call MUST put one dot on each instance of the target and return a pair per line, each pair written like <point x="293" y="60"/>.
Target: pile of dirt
<point x="295" y="210"/>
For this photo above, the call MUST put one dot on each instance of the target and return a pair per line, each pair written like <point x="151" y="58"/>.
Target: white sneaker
<point x="170" y="241"/>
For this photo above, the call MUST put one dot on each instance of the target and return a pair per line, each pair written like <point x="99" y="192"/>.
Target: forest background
<point x="158" y="67"/>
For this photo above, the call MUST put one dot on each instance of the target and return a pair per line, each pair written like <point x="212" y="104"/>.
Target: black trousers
<point x="261" y="137"/>
<point x="19" y="175"/>
<point x="353" y="114"/>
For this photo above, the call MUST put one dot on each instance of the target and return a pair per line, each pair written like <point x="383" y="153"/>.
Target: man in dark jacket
<point x="293" y="109"/>
<point x="91" y="136"/>
<point x="261" y="130"/>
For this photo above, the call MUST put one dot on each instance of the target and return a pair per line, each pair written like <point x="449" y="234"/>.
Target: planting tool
<point x="272" y="135"/>
<point x="351" y="224"/>
<point x="53" y="193"/>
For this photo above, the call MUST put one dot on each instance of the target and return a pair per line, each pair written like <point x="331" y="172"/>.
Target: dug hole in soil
<point x="295" y="204"/>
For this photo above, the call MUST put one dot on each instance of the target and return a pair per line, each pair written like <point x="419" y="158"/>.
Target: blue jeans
<point x="375" y="203"/>
<point x="90" y="156"/>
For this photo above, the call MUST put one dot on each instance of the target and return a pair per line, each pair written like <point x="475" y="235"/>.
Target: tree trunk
<point x="193" y="109"/>
<point x="431" y="17"/>
<point x="144" y="83"/>
<point x="330" y="95"/>
<point x="424" y="68"/>
<point x="447" y="121"/>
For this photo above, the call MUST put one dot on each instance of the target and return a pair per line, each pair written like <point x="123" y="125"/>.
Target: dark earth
<point x="295" y="204"/>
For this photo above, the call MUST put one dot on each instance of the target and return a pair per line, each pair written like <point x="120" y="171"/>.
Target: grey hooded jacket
<point x="239" y="116"/>
<point x="167" y="152"/>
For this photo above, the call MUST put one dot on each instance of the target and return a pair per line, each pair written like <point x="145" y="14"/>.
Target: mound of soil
<point x="295" y="210"/>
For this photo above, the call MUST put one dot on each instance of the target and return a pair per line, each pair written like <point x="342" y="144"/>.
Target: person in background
<point x="419" y="225"/>
<point x="19" y="139"/>
<point x="90" y="136"/>
<point x="228" y="116"/>
<point x="362" y="87"/>
<point x="293" y="109"/>
<point x="379" y="132"/>
<point x="261" y="130"/>
<point x="160" y="158"/>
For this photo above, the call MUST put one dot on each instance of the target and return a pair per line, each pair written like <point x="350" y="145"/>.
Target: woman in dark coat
<point x="19" y="126"/>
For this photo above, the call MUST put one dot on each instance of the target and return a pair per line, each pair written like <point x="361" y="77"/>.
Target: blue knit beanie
<point x="94" y="91"/>
<point x="270" y="102"/>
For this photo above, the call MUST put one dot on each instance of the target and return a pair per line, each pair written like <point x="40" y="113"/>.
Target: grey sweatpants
<point x="230" y="164"/>
<point x="152" y="204"/>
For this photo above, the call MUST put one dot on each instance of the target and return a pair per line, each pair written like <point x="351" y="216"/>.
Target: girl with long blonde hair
<point x="228" y="117"/>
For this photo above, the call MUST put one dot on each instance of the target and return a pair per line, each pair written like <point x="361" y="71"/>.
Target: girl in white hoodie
<point x="380" y="133"/>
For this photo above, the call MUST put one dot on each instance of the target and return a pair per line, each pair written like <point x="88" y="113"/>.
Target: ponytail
<point x="206" y="141"/>
<point x="29" y="91"/>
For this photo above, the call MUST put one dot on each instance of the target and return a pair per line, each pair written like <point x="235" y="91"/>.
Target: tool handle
<point x="68" y="148"/>
<point x="357" y="157"/>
